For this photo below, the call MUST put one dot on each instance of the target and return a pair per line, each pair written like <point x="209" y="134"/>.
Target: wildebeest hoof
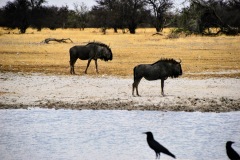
<point x="136" y="95"/>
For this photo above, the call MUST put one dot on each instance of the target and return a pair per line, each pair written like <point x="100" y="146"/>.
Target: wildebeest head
<point x="177" y="69"/>
<point x="105" y="53"/>
<point x="172" y="68"/>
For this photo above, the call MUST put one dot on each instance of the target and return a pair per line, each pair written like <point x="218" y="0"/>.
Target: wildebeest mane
<point x="166" y="60"/>
<point x="99" y="44"/>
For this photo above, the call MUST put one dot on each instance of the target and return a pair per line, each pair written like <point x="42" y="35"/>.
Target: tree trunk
<point x="157" y="24"/>
<point x="132" y="30"/>
<point x="158" y="29"/>
<point x="115" y="30"/>
<point x="23" y="29"/>
<point x="132" y="27"/>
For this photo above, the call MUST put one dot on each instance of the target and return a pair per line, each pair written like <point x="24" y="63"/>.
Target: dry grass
<point x="24" y="53"/>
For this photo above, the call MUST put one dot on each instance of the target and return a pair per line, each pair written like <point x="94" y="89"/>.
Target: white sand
<point x="18" y="90"/>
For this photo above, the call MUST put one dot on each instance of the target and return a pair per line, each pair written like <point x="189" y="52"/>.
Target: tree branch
<point x="47" y="40"/>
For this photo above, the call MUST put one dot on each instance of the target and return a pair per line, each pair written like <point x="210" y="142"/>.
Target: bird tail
<point x="170" y="154"/>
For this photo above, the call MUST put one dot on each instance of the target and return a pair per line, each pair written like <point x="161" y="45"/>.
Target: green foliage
<point x="197" y="18"/>
<point x="204" y="14"/>
<point x="16" y="15"/>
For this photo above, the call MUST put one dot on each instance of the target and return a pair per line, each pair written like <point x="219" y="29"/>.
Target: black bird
<point x="157" y="147"/>
<point x="232" y="154"/>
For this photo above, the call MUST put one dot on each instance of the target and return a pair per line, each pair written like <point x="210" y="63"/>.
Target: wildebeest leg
<point x="89" y="61"/>
<point x="72" y="62"/>
<point x="162" y="86"/>
<point x="96" y="65"/>
<point x="135" y="85"/>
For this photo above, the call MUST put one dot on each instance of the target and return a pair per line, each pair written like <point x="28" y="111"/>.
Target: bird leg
<point x="157" y="155"/>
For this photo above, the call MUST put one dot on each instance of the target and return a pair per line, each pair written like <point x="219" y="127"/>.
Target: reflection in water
<point x="107" y="135"/>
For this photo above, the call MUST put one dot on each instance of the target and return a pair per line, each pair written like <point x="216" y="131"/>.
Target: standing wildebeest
<point x="92" y="50"/>
<point x="161" y="69"/>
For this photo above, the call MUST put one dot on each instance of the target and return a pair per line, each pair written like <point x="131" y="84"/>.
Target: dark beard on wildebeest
<point x="161" y="69"/>
<point x="93" y="50"/>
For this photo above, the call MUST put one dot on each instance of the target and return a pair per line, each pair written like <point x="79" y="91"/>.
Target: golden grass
<point x="24" y="53"/>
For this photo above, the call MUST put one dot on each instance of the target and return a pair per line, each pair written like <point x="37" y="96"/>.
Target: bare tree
<point x="37" y="13"/>
<point x="81" y="11"/>
<point x="111" y="15"/>
<point x="159" y="8"/>
<point x="119" y="13"/>
<point x="132" y="13"/>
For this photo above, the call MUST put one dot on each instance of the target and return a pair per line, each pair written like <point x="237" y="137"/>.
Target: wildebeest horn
<point x="179" y="61"/>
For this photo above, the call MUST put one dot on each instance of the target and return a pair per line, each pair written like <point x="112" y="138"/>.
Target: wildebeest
<point x="161" y="69"/>
<point x="93" y="50"/>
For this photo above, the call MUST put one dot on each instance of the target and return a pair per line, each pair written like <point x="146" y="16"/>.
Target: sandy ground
<point x="20" y="90"/>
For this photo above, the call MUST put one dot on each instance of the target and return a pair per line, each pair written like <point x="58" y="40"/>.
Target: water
<point x="108" y="135"/>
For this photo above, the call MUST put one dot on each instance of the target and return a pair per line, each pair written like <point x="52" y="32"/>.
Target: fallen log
<point x="63" y="40"/>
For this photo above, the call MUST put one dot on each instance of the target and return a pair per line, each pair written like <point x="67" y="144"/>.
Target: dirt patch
<point x="20" y="90"/>
<point x="1" y="93"/>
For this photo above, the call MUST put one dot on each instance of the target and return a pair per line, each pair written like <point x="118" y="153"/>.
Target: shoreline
<point x="20" y="90"/>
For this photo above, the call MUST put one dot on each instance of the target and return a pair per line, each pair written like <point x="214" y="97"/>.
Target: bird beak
<point x="144" y="133"/>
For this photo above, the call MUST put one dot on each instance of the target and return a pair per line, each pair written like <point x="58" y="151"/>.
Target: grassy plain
<point x="201" y="56"/>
